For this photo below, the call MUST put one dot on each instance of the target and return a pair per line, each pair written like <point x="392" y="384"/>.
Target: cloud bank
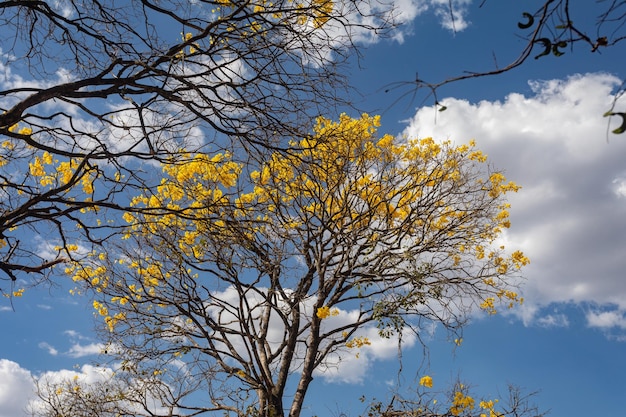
<point x="570" y="216"/>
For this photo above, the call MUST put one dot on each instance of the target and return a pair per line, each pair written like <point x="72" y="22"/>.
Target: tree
<point x="117" y="87"/>
<point x="264" y="276"/>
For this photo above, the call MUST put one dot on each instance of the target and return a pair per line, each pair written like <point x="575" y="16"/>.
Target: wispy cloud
<point x="46" y="346"/>
<point x="453" y="14"/>
<point x="79" y="351"/>
<point x="553" y="320"/>
<point x="73" y="334"/>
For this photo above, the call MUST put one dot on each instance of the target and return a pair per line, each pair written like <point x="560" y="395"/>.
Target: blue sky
<point x="541" y="123"/>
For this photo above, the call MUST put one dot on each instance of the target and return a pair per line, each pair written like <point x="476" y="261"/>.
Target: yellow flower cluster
<point x="499" y="185"/>
<point x="322" y="10"/>
<point x="100" y="308"/>
<point x="426" y="381"/>
<point x="111" y="321"/>
<point x="489" y="406"/>
<point x="62" y="174"/>
<point x="192" y="48"/>
<point x="460" y="403"/>
<point x="26" y="131"/>
<point x="16" y="293"/>
<point x="358" y="342"/>
<point x="488" y="305"/>
<point x="326" y="312"/>
<point x="511" y="298"/>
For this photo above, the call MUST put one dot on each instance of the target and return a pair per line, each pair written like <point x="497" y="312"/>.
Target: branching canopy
<point x="119" y="86"/>
<point x="263" y="277"/>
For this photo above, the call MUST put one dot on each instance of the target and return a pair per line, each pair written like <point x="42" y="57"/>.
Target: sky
<point x="542" y="125"/>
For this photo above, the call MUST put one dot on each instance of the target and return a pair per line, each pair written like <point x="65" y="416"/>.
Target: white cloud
<point x="453" y="14"/>
<point x="78" y="351"/>
<point x="46" y="346"/>
<point x="607" y="319"/>
<point x="88" y="374"/>
<point x="16" y="388"/>
<point x="351" y="366"/>
<point x="553" y="320"/>
<point x="354" y="23"/>
<point x="99" y="384"/>
<point x="346" y="365"/>
<point x="73" y="334"/>
<point x="569" y="216"/>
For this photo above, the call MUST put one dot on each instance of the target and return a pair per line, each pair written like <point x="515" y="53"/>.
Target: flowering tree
<point x="115" y="85"/>
<point x="248" y="281"/>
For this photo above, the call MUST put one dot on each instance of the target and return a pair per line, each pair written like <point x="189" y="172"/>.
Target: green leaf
<point x="564" y="25"/>
<point x="622" y="127"/>
<point x="556" y="46"/>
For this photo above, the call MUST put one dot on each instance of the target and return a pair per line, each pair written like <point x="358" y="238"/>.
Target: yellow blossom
<point x="26" y="131"/>
<point x="460" y="403"/>
<point x="489" y="305"/>
<point x="46" y="158"/>
<point x="426" y="381"/>
<point x="36" y="168"/>
<point x="358" y="342"/>
<point x="325" y="312"/>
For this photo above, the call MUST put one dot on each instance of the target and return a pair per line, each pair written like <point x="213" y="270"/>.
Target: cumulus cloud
<point x="343" y="364"/>
<point x="16" y="388"/>
<point x="569" y="216"/>
<point x="351" y="366"/>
